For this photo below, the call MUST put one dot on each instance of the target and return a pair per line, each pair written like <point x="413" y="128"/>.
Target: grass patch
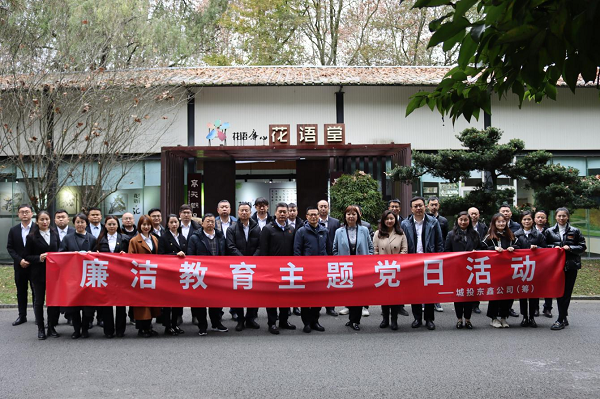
<point x="587" y="284"/>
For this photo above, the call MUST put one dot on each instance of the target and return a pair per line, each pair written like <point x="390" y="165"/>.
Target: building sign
<point x="279" y="135"/>
<point x="287" y="195"/>
<point x="307" y="134"/>
<point x="194" y="185"/>
<point x="335" y="133"/>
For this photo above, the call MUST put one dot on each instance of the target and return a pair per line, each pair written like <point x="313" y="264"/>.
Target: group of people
<point x="281" y="234"/>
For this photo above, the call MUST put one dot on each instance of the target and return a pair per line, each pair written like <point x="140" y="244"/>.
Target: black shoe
<point x="468" y="325"/>
<point x="240" y="326"/>
<point x="202" y="333"/>
<point x="566" y="322"/>
<point x="429" y="324"/>
<point x="384" y="323"/>
<point x="416" y="323"/>
<point x="234" y="316"/>
<point x="170" y="331"/>
<point x="513" y="313"/>
<point x="332" y="312"/>
<point x="273" y="329"/>
<point x="85" y="334"/>
<point x="41" y="334"/>
<point x="120" y="335"/>
<point x="459" y="324"/>
<point x="317" y="326"/>
<point x="547" y="312"/>
<point x="153" y="332"/>
<point x="525" y="322"/>
<point x="20" y="320"/>
<point x="307" y="329"/>
<point x="252" y="324"/>
<point x="394" y="324"/>
<point x="109" y="335"/>
<point x="532" y="323"/>
<point x="476" y="310"/>
<point x="286" y="325"/>
<point x="75" y="335"/>
<point x="297" y="311"/>
<point x="354" y="326"/>
<point x="220" y="328"/>
<point x="144" y="333"/>
<point x="558" y="325"/>
<point x="402" y="311"/>
<point x="178" y="330"/>
<point x="536" y="313"/>
<point x="52" y="332"/>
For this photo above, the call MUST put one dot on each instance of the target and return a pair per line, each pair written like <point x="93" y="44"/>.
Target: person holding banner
<point x="529" y="238"/>
<point x="41" y="240"/>
<point x="111" y="240"/>
<point x="80" y="240"/>
<point x="353" y="239"/>
<point x="569" y="238"/>
<point x="541" y="225"/>
<point x="145" y="242"/>
<point x="500" y="238"/>
<point x="463" y="238"/>
<point x="389" y="240"/>
<point x="424" y="235"/>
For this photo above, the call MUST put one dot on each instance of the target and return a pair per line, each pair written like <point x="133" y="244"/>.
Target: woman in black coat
<point x="499" y="238"/>
<point x="41" y="240"/>
<point x="79" y="241"/>
<point x="541" y="225"/>
<point x="172" y="242"/>
<point x="529" y="238"/>
<point x="463" y="238"/>
<point x="111" y="240"/>
<point x="569" y="238"/>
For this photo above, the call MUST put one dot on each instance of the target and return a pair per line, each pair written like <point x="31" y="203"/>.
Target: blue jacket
<point x="309" y="241"/>
<point x="432" y="235"/>
<point x="364" y="245"/>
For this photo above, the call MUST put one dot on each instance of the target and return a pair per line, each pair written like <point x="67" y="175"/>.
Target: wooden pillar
<point x="311" y="183"/>
<point x="219" y="184"/>
<point x="171" y="183"/>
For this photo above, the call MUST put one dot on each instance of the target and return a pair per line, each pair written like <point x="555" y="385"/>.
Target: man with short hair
<point x="331" y="224"/>
<point x="207" y="242"/>
<point x="478" y="226"/>
<point x="394" y="206"/>
<point x="423" y="235"/>
<point x="433" y="206"/>
<point x="187" y="227"/>
<point x="293" y="219"/>
<point x="128" y="227"/>
<point x="311" y="240"/>
<point x="61" y="226"/>
<point x="277" y="239"/>
<point x="261" y="216"/>
<point x="224" y="220"/>
<point x="95" y="227"/>
<point x="17" y="237"/>
<point x="243" y="238"/>
<point x="156" y="219"/>
<point x="514" y="227"/>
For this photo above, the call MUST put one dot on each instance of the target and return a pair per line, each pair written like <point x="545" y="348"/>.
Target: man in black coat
<point x="433" y="206"/>
<point x="514" y="227"/>
<point x="261" y="216"/>
<point x="15" y="246"/>
<point x="95" y="226"/>
<point x="277" y="239"/>
<point x="331" y="224"/>
<point x="188" y="227"/>
<point x="207" y="242"/>
<point x="394" y="206"/>
<point x="62" y="228"/>
<point x="128" y="227"/>
<point x="478" y="225"/>
<point x="243" y="238"/>
<point x="293" y="219"/>
<point x="311" y="240"/>
<point x="156" y="218"/>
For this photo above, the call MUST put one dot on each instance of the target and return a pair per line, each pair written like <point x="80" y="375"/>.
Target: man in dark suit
<point x="95" y="226"/>
<point x="261" y="216"/>
<point x="331" y="224"/>
<point x="62" y="228"/>
<point x="243" y="238"/>
<point x="394" y="206"/>
<point x="16" y="249"/>
<point x="224" y="220"/>
<point x="478" y="225"/>
<point x="188" y="226"/>
<point x="128" y="225"/>
<point x="156" y="217"/>
<point x="433" y="207"/>
<point x="277" y="239"/>
<point x="293" y="219"/>
<point x="514" y="227"/>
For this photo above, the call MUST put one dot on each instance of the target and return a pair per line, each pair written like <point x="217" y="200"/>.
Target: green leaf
<point x="436" y="23"/>
<point x="589" y="70"/>
<point x="571" y="72"/>
<point x="415" y="102"/>
<point x="462" y="6"/>
<point x="520" y="33"/>
<point x="551" y="91"/>
<point x="450" y="43"/>
<point x="467" y="50"/>
<point x="431" y="3"/>
<point x="460" y="76"/>
<point x="477" y="31"/>
<point x="448" y="31"/>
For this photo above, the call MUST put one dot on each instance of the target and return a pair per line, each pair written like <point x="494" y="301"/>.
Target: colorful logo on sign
<point x="217" y="130"/>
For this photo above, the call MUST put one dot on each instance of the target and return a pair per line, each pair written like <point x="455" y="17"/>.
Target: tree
<point x="357" y="189"/>
<point x="553" y="185"/>
<point x="521" y="46"/>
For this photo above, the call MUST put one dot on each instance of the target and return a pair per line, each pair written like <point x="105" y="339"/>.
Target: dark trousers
<point x="528" y="306"/>
<point x="565" y="300"/>
<point x="170" y="316"/>
<point x="251" y="314"/>
<point x="499" y="308"/>
<point x="417" y="311"/>
<point x="463" y="309"/>
<point x="22" y="281"/>
<point x="213" y="313"/>
<point x="81" y="317"/>
<point x="272" y="315"/>
<point x="548" y="303"/>
<point x="355" y="314"/>
<point x="38" y="281"/>
<point x="309" y="316"/>
<point x="113" y="324"/>
<point x="392" y="310"/>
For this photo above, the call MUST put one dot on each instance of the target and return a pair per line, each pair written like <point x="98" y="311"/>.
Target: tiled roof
<point x="253" y="76"/>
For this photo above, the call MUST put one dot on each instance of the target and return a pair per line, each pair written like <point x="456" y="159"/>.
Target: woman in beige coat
<point x="389" y="240"/>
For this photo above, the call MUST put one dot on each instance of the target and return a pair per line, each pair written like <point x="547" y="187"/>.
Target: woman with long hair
<point x="389" y="240"/>
<point x="111" y="240"/>
<point x="569" y="238"/>
<point x="500" y="238"/>
<point x="529" y="238"/>
<point x="352" y="239"/>
<point x="541" y="225"/>
<point x="463" y="237"/>
<point x="41" y="240"/>
<point x="172" y="242"/>
<point x="144" y="243"/>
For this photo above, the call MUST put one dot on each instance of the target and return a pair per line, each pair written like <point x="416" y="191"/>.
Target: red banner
<point x="101" y="279"/>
